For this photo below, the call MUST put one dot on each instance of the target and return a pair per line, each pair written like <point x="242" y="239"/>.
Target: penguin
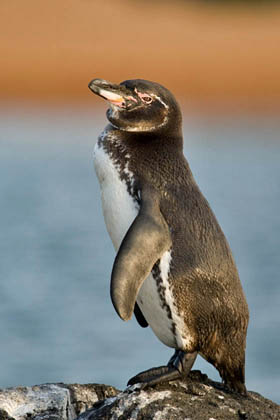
<point x="173" y="268"/>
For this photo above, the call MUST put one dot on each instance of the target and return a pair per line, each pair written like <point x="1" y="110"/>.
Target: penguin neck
<point x="151" y="140"/>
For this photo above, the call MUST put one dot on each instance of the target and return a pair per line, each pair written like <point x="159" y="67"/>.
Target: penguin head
<point x="139" y="105"/>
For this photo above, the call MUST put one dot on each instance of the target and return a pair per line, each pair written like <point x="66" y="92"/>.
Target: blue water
<point x="57" y="322"/>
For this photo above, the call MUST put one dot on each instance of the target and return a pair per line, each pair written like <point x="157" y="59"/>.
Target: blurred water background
<point x="57" y="322"/>
<point x="221" y="60"/>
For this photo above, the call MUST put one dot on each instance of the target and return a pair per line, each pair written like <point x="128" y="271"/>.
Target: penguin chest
<point x="119" y="207"/>
<point x="155" y="297"/>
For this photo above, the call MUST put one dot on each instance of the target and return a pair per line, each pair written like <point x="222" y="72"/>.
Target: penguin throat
<point x="113" y="114"/>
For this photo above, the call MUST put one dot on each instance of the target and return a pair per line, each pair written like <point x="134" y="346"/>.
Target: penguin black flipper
<point x="143" y="245"/>
<point x="140" y="317"/>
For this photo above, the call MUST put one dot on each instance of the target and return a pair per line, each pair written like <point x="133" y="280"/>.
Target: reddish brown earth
<point x="213" y="57"/>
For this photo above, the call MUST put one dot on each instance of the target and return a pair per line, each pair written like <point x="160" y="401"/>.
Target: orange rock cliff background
<point x="212" y="56"/>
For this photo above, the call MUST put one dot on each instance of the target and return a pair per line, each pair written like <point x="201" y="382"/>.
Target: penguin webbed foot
<point x="178" y="366"/>
<point x="155" y="376"/>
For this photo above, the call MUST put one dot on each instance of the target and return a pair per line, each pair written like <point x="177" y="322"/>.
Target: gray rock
<point x="196" y="398"/>
<point x="51" y="401"/>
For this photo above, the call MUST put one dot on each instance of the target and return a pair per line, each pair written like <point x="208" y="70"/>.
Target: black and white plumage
<point x="173" y="268"/>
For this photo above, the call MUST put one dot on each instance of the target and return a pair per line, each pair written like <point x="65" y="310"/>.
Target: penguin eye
<point x="146" y="98"/>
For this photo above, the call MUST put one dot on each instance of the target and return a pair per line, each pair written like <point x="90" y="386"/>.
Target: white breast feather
<point x="119" y="209"/>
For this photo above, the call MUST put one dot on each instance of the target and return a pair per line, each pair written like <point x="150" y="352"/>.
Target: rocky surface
<point x="197" y="398"/>
<point x="51" y="401"/>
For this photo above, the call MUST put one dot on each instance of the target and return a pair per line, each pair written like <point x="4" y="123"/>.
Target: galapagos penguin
<point x="173" y="268"/>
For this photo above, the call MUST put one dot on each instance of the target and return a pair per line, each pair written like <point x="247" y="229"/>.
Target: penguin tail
<point x="234" y="378"/>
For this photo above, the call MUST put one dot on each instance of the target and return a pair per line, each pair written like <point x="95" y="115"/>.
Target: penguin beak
<point x="115" y="94"/>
